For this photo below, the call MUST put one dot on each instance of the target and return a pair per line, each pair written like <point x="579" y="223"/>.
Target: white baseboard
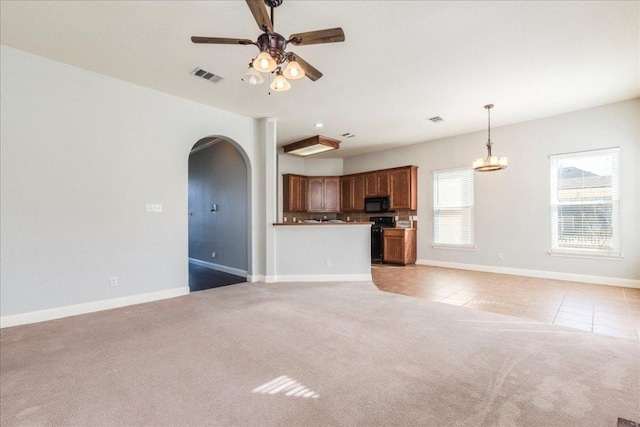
<point x="585" y="278"/>
<point x="89" y="307"/>
<point x="218" y="267"/>
<point x="255" y="278"/>
<point x="319" y="278"/>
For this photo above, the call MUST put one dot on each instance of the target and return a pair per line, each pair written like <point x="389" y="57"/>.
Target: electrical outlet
<point x="348" y="219"/>
<point x="213" y="254"/>
<point x="328" y="262"/>
<point x="114" y="281"/>
<point x="499" y="255"/>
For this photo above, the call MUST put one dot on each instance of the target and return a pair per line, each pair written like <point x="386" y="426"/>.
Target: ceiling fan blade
<point x="220" y="40"/>
<point x="309" y="70"/>
<point x="331" y="35"/>
<point x="259" y="11"/>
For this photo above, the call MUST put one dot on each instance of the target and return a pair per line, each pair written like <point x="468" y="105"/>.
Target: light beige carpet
<point x="362" y="358"/>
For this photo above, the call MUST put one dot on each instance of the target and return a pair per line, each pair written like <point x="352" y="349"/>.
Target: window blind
<point x="453" y="201"/>
<point x="585" y="194"/>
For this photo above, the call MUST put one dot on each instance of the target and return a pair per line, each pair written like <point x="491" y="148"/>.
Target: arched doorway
<point x="219" y="206"/>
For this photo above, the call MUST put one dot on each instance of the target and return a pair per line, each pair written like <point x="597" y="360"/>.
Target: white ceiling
<point x="402" y="61"/>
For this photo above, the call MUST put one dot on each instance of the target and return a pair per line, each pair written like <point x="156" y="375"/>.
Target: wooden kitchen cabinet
<point x="403" y="183"/>
<point x="382" y="179"/>
<point x="294" y="193"/>
<point x="399" y="246"/>
<point x="376" y="183"/>
<point x="353" y="193"/>
<point x="323" y="194"/>
<point x="346" y="193"/>
<point x="370" y="184"/>
<point x="358" y="192"/>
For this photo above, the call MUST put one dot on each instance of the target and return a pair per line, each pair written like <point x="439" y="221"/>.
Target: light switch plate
<point x="154" y="207"/>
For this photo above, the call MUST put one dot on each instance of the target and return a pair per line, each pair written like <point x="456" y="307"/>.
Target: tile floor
<point x="607" y="310"/>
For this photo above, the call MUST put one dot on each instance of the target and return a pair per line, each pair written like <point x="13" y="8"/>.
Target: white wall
<point x="322" y="252"/>
<point x="82" y="154"/>
<point x="512" y="213"/>
<point x="323" y="167"/>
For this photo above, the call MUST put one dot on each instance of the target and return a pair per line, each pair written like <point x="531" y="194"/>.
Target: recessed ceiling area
<point x="401" y="61"/>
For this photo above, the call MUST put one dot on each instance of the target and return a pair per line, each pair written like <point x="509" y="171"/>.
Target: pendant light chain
<point x="488" y="107"/>
<point x="489" y="112"/>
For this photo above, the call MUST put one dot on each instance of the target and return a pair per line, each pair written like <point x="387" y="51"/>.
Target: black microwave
<point x="376" y="204"/>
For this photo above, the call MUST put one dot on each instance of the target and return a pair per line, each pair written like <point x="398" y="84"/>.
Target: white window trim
<point x="609" y="254"/>
<point x="462" y="247"/>
<point x="459" y="247"/>
<point x="585" y="253"/>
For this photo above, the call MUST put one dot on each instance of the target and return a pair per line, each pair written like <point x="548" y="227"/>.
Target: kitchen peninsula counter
<point x="324" y="223"/>
<point x="322" y="251"/>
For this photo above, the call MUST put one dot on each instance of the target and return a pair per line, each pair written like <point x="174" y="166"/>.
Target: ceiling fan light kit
<point x="491" y="163"/>
<point x="273" y="54"/>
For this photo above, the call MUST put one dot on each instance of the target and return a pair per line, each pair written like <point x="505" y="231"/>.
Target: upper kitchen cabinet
<point x="353" y="192"/>
<point x="371" y="184"/>
<point x="358" y="192"/>
<point x="403" y="183"/>
<point x="382" y="179"/>
<point x="376" y="183"/>
<point x="294" y="193"/>
<point x="346" y="193"/>
<point x="323" y="194"/>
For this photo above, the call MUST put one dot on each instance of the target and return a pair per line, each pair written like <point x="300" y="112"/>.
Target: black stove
<point x="379" y="223"/>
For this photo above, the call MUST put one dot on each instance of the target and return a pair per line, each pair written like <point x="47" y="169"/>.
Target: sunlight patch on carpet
<point x="286" y="385"/>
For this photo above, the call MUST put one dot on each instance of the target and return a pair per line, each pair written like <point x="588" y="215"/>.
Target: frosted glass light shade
<point x="280" y="84"/>
<point x="252" y="77"/>
<point x="490" y="164"/>
<point x="293" y="71"/>
<point x="264" y="63"/>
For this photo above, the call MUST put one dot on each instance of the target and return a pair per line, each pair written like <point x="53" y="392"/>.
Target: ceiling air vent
<point x="348" y="135"/>
<point x="436" y="119"/>
<point x="213" y="78"/>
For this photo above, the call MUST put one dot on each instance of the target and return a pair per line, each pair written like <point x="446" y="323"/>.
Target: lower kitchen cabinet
<point x="399" y="246"/>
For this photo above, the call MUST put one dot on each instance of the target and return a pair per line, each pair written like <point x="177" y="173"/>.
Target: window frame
<point x="470" y="208"/>
<point x="613" y="252"/>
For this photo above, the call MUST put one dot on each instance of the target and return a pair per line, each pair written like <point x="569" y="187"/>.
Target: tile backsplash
<point x="403" y="214"/>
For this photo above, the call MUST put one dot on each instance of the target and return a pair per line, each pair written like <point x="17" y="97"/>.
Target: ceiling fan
<point x="273" y="46"/>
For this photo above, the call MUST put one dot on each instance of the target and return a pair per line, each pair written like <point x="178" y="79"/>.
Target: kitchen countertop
<point x="324" y="223"/>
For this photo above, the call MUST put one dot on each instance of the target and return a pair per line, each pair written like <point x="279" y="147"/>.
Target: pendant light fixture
<point x="491" y="163"/>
